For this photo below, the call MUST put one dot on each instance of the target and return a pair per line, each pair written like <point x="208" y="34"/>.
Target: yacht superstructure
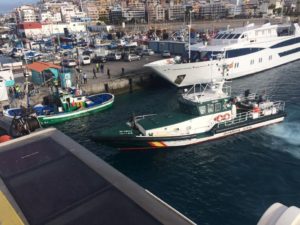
<point x="233" y="53"/>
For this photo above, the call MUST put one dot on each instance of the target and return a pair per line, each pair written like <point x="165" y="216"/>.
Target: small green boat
<point x="73" y="107"/>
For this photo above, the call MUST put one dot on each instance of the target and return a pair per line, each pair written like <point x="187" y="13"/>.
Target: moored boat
<point x="68" y="107"/>
<point x="205" y="113"/>
<point x="244" y="50"/>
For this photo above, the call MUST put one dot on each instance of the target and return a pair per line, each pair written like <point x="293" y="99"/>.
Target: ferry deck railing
<point x="245" y="116"/>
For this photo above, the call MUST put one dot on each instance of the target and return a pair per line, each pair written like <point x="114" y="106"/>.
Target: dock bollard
<point x="106" y="87"/>
<point x="130" y="85"/>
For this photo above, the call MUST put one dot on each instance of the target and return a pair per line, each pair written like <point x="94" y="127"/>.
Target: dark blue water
<point x="230" y="181"/>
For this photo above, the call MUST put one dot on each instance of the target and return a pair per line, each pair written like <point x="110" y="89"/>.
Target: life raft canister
<point x="256" y="109"/>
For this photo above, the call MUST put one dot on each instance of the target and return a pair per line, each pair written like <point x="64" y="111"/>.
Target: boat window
<point x="195" y="56"/>
<point x="218" y="107"/>
<point x="221" y="35"/>
<point x="270" y="57"/>
<point x="236" y="36"/>
<point x="286" y="43"/>
<point x="218" y="36"/>
<point x="243" y="36"/>
<point x="241" y="52"/>
<point x="225" y="36"/>
<point x="210" y="108"/>
<point x="292" y="51"/>
<point x="202" y="109"/>
<point x="231" y="36"/>
<point x="205" y="56"/>
<point x="260" y="60"/>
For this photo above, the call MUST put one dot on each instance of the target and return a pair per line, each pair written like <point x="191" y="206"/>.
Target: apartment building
<point x="27" y="13"/>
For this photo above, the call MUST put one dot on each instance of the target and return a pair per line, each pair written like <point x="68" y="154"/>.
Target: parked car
<point x="166" y="54"/>
<point x="69" y="63"/>
<point x="85" y="60"/>
<point x="114" y="56"/>
<point x="148" y="52"/>
<point x="99" y="59"/>
<point x="132" y="57"/>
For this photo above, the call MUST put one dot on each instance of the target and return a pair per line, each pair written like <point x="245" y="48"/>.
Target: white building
<point x="68" y="11"/>
<point x="27" y="13"/>
<point x="48" y="16"/>
<point x="38" y="30"/>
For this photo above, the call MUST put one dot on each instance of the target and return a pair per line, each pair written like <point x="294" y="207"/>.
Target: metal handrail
<point x="243" y="117"/>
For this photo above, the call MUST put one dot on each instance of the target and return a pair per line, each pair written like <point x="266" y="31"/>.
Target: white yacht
<point x="233" y="53"/>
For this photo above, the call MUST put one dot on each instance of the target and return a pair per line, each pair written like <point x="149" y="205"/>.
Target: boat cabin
<point x="71" y="103"/>
<point x="214" y="98"/>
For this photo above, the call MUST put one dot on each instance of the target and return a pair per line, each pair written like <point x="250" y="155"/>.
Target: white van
<point x="85" y="60"/>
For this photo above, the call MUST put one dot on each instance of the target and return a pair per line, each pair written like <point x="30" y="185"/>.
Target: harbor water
<point x="230" y="181"/>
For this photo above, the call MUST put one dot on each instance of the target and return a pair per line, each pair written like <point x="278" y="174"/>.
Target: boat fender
<point x="5" y="138"/>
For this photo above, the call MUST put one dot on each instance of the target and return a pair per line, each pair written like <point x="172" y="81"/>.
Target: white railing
<point x="243" y="117"/>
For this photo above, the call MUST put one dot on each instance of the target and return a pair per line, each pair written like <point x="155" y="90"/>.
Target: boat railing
<point x="197" y="91"/>
<point x="143" y="116"/>
<point x="271" y="109"/>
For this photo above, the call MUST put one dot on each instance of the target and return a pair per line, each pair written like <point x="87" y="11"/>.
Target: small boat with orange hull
<point x="205" y="113"/>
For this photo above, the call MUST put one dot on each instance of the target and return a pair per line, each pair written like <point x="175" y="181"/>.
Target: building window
<point x="210" y="108"/>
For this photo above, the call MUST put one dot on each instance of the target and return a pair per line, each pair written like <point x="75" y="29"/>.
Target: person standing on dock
<point x="94" y="72"/>
<point x="102" y="68"/>
<point x="108" y="73"/>
<point x="84" y="78"/>
<point x="123" y="71"/>
<point x="97" y="67"/>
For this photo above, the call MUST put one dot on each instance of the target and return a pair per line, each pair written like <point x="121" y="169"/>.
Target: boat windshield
<point x="208" y="55"/>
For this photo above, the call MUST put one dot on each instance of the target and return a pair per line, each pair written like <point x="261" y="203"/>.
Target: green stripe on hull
<point x="59" y="118"/>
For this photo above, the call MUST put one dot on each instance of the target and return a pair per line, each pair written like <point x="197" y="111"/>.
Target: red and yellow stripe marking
<point x="157" y="144"/>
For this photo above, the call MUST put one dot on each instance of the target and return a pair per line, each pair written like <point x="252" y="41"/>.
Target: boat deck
<point x="166" y="119"/>
<point x="47" y="178"/>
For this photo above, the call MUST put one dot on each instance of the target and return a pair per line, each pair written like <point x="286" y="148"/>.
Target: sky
<point x="9" y="5"/>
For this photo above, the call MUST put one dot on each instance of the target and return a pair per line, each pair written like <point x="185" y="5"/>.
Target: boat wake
<point x="286" y="138"/>
<point x="289" y="132"/>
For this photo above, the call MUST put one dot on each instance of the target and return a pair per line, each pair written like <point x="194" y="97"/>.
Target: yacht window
<point x="218" y="36"/>
<point x="218" y="107"/>
<point x="270" y="57"/>
<point x="221" y="36"/>
<point x="195" y="56"/>
<point x="225" y="36"/>
<point x="242" y="36"/>
<point x="260" y="60"/>
<point x="252" y="62"/>
<point x="210" y="108"/>
<point x="205" y="56"/>
<point x="202" y="109"/>
<point x="236" y="36"/>
<point x="231" y="36"/>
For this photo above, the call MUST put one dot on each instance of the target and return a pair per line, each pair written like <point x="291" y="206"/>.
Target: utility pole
<point x="298" y="10"/>
<point x="190" y="26"/>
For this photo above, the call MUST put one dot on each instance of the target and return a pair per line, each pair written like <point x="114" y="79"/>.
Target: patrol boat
<point x="206" y="112"/>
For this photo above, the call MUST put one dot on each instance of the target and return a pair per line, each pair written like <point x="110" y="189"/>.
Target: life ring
<point x="226" y="116"/>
